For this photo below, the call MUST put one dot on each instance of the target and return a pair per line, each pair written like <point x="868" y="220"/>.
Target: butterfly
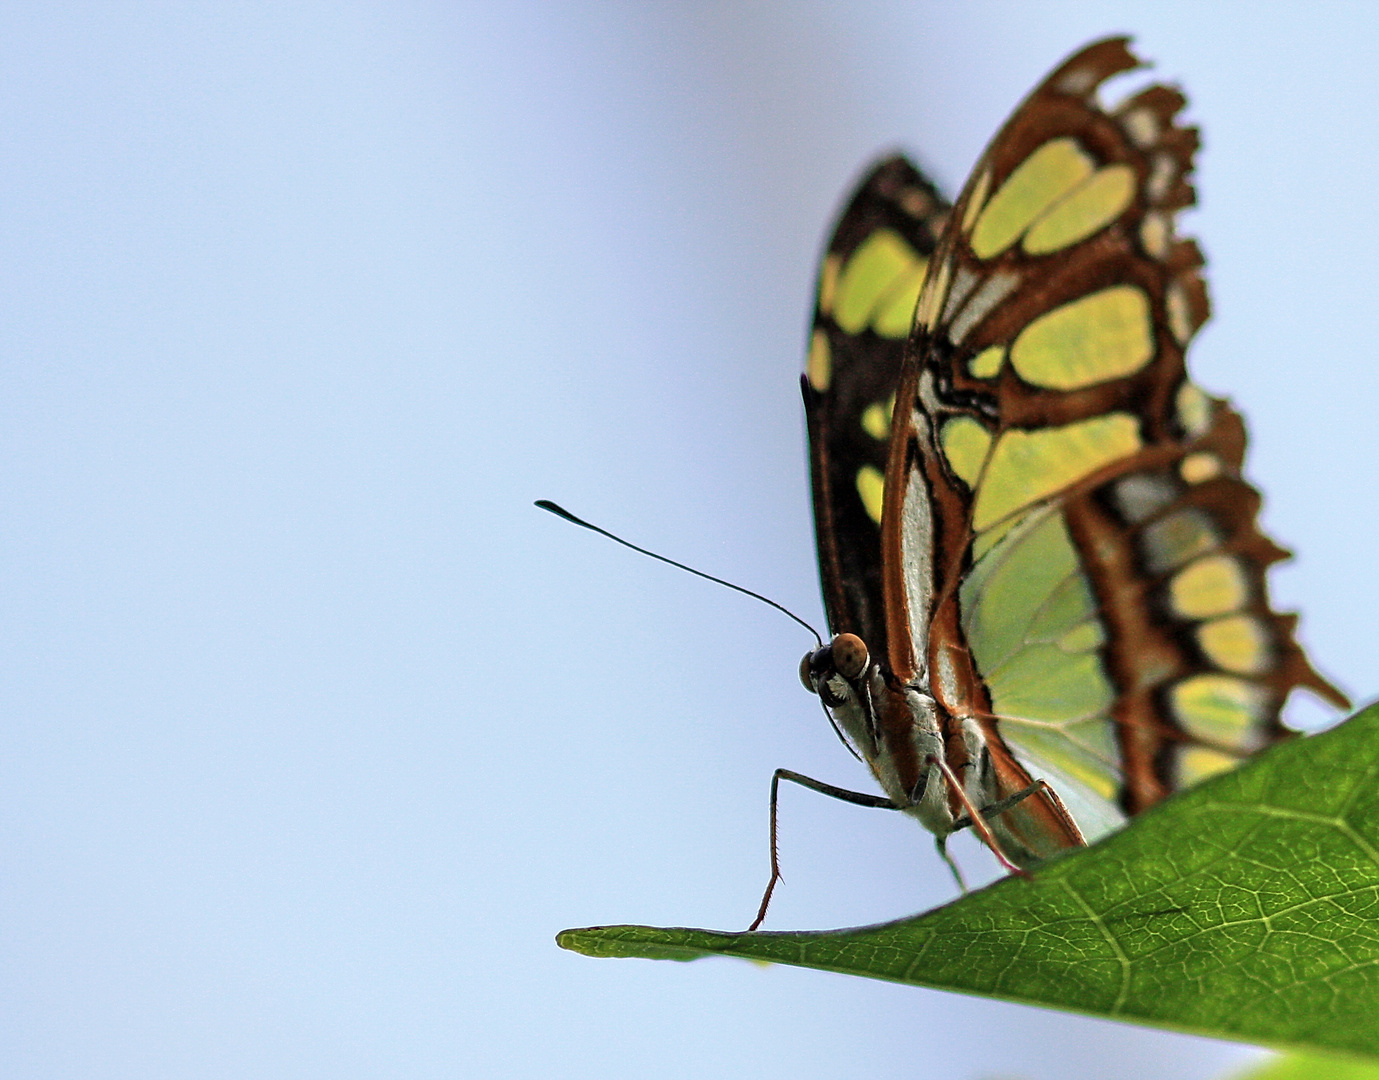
<point x="1043" y="578"/>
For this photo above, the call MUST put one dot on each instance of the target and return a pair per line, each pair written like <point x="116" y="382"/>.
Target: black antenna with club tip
<point x="560" y="511"/>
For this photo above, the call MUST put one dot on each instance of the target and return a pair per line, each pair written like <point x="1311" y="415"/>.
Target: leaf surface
<point x="1311" y="1067"/>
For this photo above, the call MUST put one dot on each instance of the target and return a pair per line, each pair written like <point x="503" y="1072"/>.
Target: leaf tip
<point x="640" y="942"/>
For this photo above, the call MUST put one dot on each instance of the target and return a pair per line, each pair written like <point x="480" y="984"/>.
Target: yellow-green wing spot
<point x="1195" y="468"/>
<point x="897" y="308"/>
<point x="828" y="282"/>
<point x="933" y="295"/>
<point x="876" y="419"/>
<point x="1139" y="496"/>
<point x="1162" y="173"/>
<point x="977" y="200"/>
<point x="1237" y="643"/>
<point x="818" y="368"/>
<point x="987" y="363"/>
<point x="1177" y="537"/>
<point x="1142" y="125"/>
<point x="1027" y="466"/>
<point x="1194" y="409"/>
<point x="871" y="486"/>
<point x="1083" y="638"/>
<point x="1220" y="709"/>
<point x="1041" y="180"/>
<point x="878" y="286"/>
<point x="1210" y="586"/>
<point x="1179" y="310"/>
<point x="1086" y="210"/>
<point x="965" y="445"/>
<point x="1104" y="335"/>
<point x="1196" y="763"/>
<point x="1155" y="232"/>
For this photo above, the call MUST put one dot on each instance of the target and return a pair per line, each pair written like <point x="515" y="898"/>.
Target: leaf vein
<point x="1111" y="940"/>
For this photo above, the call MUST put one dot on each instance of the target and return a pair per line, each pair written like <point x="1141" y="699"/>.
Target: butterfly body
<point x="895" y="728"/>
<point x="1039" y="559"/>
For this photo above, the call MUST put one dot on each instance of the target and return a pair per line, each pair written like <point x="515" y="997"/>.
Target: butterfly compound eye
<point x="804" y="672"/>
<point x="849" y="655"/>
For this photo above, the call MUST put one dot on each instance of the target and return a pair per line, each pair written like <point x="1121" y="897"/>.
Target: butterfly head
<point x="846" y="679"/>
<point x="832" y="671"/>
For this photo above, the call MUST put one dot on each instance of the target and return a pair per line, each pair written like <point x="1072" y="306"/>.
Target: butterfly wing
<point x="868" y="284"/>
<point x="1070" y="555"/>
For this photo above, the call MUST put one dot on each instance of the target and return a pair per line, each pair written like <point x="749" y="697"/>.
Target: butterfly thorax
<point x="897" y="729"/>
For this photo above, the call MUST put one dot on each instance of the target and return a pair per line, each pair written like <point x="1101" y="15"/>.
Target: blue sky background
<point x="314" y="731"/>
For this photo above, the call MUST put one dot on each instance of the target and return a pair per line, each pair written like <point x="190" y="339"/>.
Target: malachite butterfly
<point x="1039" y="558"/>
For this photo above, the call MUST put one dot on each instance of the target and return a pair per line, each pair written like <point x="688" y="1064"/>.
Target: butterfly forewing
<point x="868" y="284"/>
<point x="1070" y="555"/>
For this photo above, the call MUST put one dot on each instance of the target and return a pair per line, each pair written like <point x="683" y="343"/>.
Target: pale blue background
<point x="314" y="731"/>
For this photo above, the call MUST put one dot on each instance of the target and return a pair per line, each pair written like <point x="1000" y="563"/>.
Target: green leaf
<point x="1246" y="908"/>
<point x="1310" y="1067"/>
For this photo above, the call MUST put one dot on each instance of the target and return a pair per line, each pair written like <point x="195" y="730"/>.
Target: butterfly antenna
<point x="560" y="511"/>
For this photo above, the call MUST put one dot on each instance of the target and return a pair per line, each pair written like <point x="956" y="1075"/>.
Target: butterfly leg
<point x="857" y="798"/>
<point x="1003" y="805"/>
<point x="977" y="819"/>
<point x="941" y="842"/>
